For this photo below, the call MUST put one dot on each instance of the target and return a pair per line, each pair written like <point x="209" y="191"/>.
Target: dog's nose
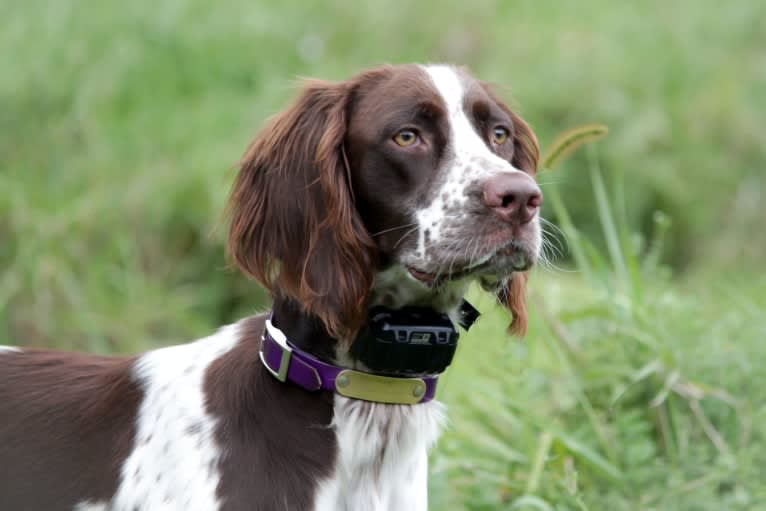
<point x="514" y="197"/>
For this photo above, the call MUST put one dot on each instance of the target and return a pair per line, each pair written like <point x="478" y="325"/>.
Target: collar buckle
<point x="287" y="352"/>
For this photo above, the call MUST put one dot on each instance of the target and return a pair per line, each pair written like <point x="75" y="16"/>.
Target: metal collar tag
<point x="380" y="389"/>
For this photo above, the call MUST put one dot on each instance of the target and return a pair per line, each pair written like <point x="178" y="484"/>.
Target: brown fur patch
<point x="67" y="423"/>
<point x="276" y="438"/>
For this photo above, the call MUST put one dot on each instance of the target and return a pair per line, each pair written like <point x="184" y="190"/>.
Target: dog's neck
<point x="305" y="331"/>
<point x="393" y="288"/>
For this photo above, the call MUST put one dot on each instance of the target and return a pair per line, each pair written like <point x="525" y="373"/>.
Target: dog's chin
<point x="441" y="283"/>
<point x="494" y="266"/>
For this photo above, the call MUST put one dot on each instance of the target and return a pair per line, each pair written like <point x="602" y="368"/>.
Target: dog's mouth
<point x="513" y="257"/>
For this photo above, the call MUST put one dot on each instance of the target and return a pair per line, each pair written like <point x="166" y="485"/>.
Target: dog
<point x="387" y="192"/>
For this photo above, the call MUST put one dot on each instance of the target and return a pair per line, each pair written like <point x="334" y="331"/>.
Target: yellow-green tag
<point x="382" y="389"/>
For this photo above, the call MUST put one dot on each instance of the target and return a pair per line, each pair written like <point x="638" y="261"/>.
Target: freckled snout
<point x="514" y="197"/>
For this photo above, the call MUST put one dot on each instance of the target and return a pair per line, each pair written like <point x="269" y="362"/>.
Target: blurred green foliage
<point x="634" y="391"/>
<point x="121" y="124"/>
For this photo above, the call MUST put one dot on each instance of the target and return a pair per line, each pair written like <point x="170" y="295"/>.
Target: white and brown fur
<point x="332" y="214"/>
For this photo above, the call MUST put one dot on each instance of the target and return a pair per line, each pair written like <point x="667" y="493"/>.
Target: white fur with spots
<point x="174" y="462"/>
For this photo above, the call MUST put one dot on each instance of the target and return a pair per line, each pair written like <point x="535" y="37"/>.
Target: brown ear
<point x="526" y="153"/>
<point x="514" y="297"/>
<point x="294" y="226"/>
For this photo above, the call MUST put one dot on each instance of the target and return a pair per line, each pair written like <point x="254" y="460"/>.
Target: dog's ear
<point x="513" y="295"/>
<point x="294" y="226"/>
<point x="526" y="153"/>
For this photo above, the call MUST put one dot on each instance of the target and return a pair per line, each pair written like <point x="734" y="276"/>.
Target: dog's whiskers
<point x="405" y="235"/>
<point x="393" y="229"/>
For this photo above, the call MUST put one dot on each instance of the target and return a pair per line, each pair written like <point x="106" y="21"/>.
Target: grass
<point x="631" y="392"/>
<point x="640" y="385"/>
<point x="609" y="404"/>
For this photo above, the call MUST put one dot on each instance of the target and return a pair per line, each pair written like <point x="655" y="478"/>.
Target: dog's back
<point x="66" y="423"/>
<point x="198" y="426"/>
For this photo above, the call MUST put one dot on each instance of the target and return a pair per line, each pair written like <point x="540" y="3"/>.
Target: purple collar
<point x="287" y="362"/>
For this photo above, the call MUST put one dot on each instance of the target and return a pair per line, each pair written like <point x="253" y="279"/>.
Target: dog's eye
<point x="406" y="138"/>
<point x="499" y="135"/>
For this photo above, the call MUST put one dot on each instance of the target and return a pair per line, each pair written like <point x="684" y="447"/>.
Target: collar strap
<point x="288" y="363"/>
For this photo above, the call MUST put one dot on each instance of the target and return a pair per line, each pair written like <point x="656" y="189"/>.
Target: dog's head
<point x="395" y="187"/>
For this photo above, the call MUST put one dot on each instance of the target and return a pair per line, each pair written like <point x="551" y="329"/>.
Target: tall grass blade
<point x="607" y="219"/>
<point x="563" y="145"/>
<point x="591" y="458"/>
<point x="537" y="469"/>
<point x="569" y="140"/>
<point x="531" y="502"/>
<point x="574" y="239"/>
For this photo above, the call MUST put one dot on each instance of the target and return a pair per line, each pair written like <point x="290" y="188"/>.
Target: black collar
<point x="400" y="342"/>
<point x="411" y="341"/>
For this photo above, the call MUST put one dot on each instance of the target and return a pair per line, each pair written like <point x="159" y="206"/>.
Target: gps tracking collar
<point x="404" y="349"/>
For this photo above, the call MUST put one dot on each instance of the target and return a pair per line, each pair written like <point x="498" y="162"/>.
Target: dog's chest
<point x="382" y="460"/>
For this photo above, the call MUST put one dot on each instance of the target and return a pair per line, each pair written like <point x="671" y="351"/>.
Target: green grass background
<point x="641" y="382"/>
